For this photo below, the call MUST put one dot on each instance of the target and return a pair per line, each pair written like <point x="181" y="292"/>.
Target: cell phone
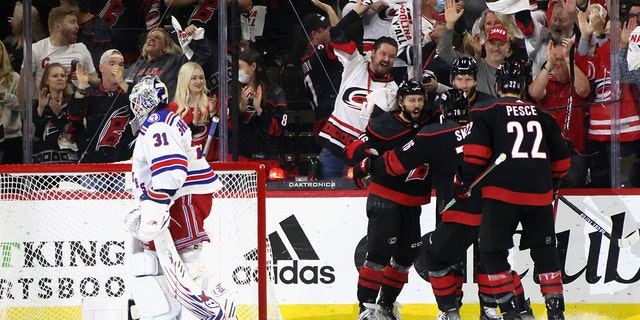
<point x="48" y="88"/>
<point x="74" y="62"/>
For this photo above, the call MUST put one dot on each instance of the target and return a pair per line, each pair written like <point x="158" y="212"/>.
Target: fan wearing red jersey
<point x="519" y="190"/>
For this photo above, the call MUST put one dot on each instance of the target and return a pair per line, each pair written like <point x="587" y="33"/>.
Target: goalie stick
<point x="475" y="181"/>
<point x="622" y="242"/>
<point x="206" y="304"/>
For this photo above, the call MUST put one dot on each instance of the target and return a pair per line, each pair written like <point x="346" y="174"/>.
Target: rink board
<point x="323" y="236"/>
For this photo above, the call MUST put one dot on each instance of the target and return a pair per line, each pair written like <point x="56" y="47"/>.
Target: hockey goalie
<point x="174" y="186"/>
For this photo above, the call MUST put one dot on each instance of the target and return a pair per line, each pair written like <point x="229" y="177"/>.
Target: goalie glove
<point x="147" y="220"/>
<point x="362" y="173"/>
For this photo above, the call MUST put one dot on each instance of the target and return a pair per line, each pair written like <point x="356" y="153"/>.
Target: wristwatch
<point x="82" y="91"/>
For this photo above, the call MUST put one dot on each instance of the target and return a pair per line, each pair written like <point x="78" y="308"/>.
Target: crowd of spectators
<point x="86" y="54"/>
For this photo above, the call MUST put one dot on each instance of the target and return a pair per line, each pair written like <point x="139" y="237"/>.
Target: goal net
<point x="64" y="246"/>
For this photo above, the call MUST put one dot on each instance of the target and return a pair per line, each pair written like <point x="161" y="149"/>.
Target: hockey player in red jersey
<point x="393" y="206"/>
<point x="519" y="190"/>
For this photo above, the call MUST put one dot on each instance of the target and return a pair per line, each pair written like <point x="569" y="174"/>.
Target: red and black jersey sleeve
<point x="533" y="145"/>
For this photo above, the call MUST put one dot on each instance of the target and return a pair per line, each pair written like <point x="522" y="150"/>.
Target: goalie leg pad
<point x="143" y="264"/>
<point x="154" y="300"/>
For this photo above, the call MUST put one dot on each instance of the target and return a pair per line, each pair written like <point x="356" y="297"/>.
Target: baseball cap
<point x="109" y="54"/>
<point x="314" y="21"/>
<point x="498" y="32"/>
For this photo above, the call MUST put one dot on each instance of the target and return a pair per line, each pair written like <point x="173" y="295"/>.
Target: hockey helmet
<point x="466" y="66"/>
<point x="146" y="95"/>
<point x="410" y="87"/>
<point x="455" y="105"/>
<point x="511" y="77"/>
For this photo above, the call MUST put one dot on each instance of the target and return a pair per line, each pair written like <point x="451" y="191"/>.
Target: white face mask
<point x="243" y="77"/>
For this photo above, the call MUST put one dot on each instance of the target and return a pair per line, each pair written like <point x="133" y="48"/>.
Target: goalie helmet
<point x="146" y="95"/>
<point x="466" y="66"/>
<point x="410" y="87"/>
<point x="511" y="77"/>
<point x="455" y="105"/>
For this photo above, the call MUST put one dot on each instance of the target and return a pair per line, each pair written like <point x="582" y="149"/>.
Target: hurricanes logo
<point x="355" y="97"/>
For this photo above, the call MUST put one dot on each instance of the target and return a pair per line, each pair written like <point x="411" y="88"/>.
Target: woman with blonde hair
<point x="10" y="119"/>
<point x="193" y="105"/>
<point x="162" y="57"/>
<point x="53" y="141"/>
<point x="37" y="33"/>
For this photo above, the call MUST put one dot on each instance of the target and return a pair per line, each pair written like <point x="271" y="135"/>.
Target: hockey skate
<point x="555" y="308"/>
<point x="368" y="312"/>
<point x="452" y="314"/>
<point x="389" y="313"/>
<point x="489" y="313"/>
<point x="527" y="314"/>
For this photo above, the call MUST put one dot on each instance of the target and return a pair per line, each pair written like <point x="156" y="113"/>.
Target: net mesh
<point x="62" y="241"/>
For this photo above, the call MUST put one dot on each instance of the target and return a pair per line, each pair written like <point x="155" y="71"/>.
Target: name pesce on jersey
<point x="521" y="111"/>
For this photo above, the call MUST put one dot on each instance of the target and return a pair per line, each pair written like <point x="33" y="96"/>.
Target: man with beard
<point x="393" y="206"/>
<point x="60" y="47"/>
<point x="497" y="47"/>
<point x="359" y="79"/>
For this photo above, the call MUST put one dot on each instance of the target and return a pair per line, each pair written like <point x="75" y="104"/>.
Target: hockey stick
<point x="206" y="304"/>
<point x="475" y="181"/>
<point x="622" y="242"/>
<point x="212" y="131"/>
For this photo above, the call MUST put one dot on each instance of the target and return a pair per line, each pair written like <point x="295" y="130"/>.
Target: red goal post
<point x="63" y="244"/>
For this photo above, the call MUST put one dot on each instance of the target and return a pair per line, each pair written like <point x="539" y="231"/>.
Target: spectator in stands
<point x="322" y="70"/>
<point x="37" y="33"/>
<point x="194" y="106"/>
<point x="204" y="14"/>
<point x="435" y="76"/>
<point x="60" y="47"/>
<point x="10" y="115"/>
<point x="626" y="75"/>
<point x="163" y="57"/>
<point x="53" y="141"/>
<point x="101" y="114"/>
<point x="125" y="19"/>
<point x="551" y="89"/>
<point x="360" y="78"/>
<point x="92" y="30"/>
<point x="490" y="19"/>
<point x="497" y="47"/>
<point x="262" y="109"/>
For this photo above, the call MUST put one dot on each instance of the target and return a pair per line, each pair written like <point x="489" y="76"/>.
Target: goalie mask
<point x="455" y="105"/>
<point x="145" y="96"/>
<point x="511" y="77"/>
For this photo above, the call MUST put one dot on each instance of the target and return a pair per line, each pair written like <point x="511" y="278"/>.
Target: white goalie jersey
<point x="164" y="158"/>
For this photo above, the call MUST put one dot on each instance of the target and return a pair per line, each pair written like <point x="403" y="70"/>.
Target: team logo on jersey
<point x="153" y="118"/>
<point x="355" y="97"/>
<point x="419" y="173"/>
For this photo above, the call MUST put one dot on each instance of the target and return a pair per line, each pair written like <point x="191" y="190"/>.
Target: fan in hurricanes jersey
<point x="393" y="204"/>
<point x="166" y="168"/>
<point x="519" y="190"/>
<point x="359" y="78"/>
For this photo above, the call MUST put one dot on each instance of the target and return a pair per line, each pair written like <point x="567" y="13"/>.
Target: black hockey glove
<point x="570" y="146"/>
<point x="357" y="150"/>
<point x="362" y="173"/>
<point x="460" y="189"/>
